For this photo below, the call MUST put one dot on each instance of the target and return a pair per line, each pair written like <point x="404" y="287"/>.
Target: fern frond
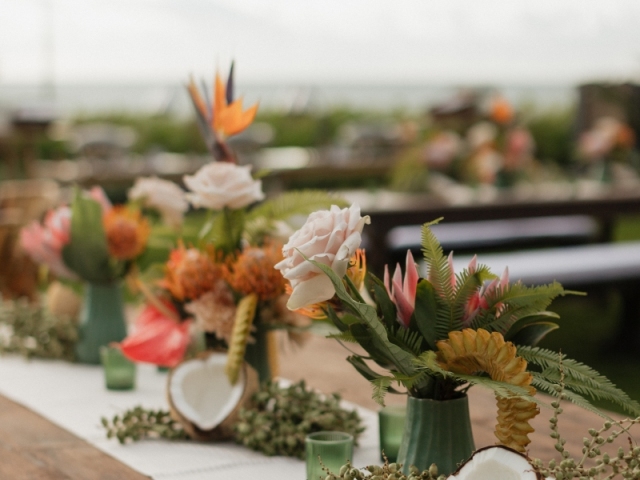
<point x="550" y="387"/>
<point x="262" y="219"/>
<point x="380" y="388"/>
<point x="345" y="336"/>
<point x="579" y="377"/>
<point x="516" y="301"/>
<point x="440" y="273"/>
<point x="407" y="339"/>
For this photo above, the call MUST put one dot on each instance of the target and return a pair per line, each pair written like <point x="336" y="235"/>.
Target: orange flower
<point x="127" y="232"/>
<point x="625" y="137"/>
<point x="226" y="117"/>
<point x="189" y="273"/>
<point x="501" y="111"/>
<point x="253" y="272"/>
<point x="357" y="272"/>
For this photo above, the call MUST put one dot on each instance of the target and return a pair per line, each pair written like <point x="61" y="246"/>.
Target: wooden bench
<point x="485" y="235"/>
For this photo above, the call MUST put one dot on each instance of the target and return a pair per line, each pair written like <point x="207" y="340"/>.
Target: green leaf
<point x="87" y="253"/>
<point x="386" y="306"/>
<point x="364" y="370"/>
<point x="262" y="219"/>
<point x="531" y="333"/>
<point x="377" y="334"/>
<point x="427" y="361"/>
<point x="578" y="377"/>
<point x="225" y="230"/>
<point x="425" y="313"/>
<point x="515" y="302"/>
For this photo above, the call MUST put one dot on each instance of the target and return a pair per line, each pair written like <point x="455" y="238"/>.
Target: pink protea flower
<point x="44" y="242"/>
<point x="403" y="294"/>
<point x="158" y="338"/>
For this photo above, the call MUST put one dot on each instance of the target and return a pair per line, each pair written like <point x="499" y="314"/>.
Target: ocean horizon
<point x="90" y="99"/>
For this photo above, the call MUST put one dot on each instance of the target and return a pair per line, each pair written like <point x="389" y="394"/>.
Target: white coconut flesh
<point x="496" y="463"/>
<point x="202" y="393"/>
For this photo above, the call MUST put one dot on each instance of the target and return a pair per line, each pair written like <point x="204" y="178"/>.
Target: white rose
<point x="223" y="184"/>
<point x="162" y="195"/>
<point x="330" y="237"/>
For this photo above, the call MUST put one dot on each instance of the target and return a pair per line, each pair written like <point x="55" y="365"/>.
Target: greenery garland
<point x="276" y="422"/>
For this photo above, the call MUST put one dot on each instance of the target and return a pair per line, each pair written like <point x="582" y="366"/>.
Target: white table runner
<point x="74" y="397"/>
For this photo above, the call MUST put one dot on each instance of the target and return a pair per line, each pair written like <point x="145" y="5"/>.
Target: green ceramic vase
<point x="436" y="432"/>
<point x="101" y="321"/>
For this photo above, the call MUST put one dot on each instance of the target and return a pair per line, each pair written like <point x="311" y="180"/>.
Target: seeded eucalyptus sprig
<point x="139" y="423"/>
<point x="279" y="419"/>
<point x="391" y="471"/>
<point x="624" y="464"/>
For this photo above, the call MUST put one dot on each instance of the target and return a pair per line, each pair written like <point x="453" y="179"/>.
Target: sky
<point x="320" y="41"/>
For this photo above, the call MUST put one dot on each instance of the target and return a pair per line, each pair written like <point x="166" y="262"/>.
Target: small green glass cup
<point x="391" y="428"/>
<point x="333" y="448"/>
<point x="119" y="371"/>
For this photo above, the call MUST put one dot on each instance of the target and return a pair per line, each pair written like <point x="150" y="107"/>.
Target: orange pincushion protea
<point x="356" y="272"/>
<point x="189" y="273"/>
<point x="253" y="272"/>
<point x="127" y="232"/>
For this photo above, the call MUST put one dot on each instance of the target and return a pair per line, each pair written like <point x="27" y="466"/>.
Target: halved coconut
<point x="203" y="400"/>
<point x="496" y="463"/>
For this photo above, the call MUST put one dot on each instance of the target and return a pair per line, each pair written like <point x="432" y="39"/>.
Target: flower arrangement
<point x="494" y="150"/>
<point x="225" y="284"/>
<point x="607" y="149"/>
<point x="437" y="336"/>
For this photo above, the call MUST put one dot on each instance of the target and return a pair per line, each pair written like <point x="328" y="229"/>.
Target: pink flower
<point x="44" y="243"/>
<point x="403" y="294"/>
<point x="97" y="193"/>
<point x="478" y="300"/>
<point x="158" y="338"/>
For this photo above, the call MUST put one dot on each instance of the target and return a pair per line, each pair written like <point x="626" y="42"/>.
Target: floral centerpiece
<point x="607" y="150"/>
<point x="97" y="243"/>
<point x="224" y="284"/>
<point x="437" y="336"/>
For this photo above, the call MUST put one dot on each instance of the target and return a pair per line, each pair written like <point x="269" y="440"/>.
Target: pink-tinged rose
<point x="162" y="195"/>
<point x="403" y="294"/>
<point x="44" y="243"/>
<point x="330" y="237"/>
<point x="157" y="338"/>
<point x="97" y="193"/>
<point x="223" y="184"/>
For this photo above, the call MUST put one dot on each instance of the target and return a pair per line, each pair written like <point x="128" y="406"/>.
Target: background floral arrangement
<point x="90" y="240"/>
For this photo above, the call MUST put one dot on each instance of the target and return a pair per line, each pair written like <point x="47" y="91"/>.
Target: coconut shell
<point x="224" y="430"/>
<point x="456" y="474"/>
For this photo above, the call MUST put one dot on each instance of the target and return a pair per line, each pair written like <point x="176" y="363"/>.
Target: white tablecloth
<point x="74" y="397"/>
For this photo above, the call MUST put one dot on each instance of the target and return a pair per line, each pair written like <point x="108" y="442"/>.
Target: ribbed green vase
<point x="101" y="321"/>
<point x="436" y="432"/>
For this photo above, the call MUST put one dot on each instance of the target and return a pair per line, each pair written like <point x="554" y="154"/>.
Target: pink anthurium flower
<point x="158" y="338"/>
<point x="403" y="294"/>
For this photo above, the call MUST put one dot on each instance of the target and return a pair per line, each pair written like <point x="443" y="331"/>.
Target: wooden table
<point x="32" y="447"/>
